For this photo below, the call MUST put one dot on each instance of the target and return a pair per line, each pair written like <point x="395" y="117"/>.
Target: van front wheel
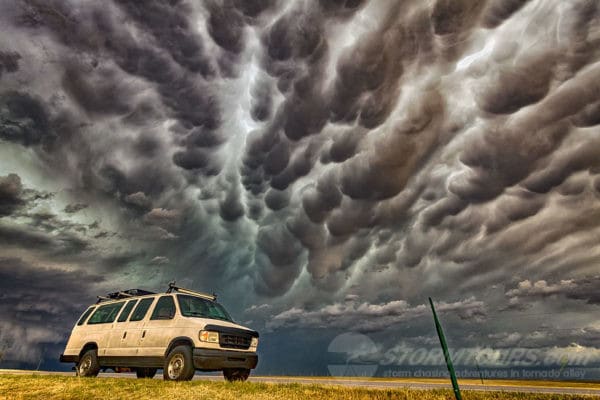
<point x="88" y="366"/>
<point x="179" y="365"/>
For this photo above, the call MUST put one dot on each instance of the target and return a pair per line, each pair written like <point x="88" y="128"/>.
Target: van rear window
<point x="85" y="315"/>
<point x="105" y="314"/>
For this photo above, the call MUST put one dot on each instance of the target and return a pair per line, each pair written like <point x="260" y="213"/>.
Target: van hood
<point x="204" y="322"/>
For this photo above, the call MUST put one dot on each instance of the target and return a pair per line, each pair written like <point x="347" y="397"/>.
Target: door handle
<point x="143" y="334"/>
<point x="124" y="334"/>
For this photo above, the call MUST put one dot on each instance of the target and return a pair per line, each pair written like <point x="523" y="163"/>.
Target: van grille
<point x="234" y="341"/>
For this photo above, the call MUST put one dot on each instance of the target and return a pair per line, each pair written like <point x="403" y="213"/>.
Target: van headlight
<point x="254" y="342"/>
<point x="209" y="336"/>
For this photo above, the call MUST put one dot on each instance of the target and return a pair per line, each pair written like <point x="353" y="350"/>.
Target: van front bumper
<point x="216" y="359"/>
<point x="69" y="359"/>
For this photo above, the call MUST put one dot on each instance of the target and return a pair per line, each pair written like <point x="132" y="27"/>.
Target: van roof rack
<point x="173" y="287"/>
<point x="124" y="294"/>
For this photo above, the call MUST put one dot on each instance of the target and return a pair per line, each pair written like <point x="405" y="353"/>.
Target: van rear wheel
<point x="236" y="374"/>
<point x="88" y="366"/>
<point x="179" y="365"/>
<point x="145" y="372"/>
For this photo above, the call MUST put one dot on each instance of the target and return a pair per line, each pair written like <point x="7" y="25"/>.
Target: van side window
<point x="142" y="308"/>
<point x="126" y="311"/>
<point x="85" y="315"/>
<point x="165" y="308"/>
<point x="105" y="314"/>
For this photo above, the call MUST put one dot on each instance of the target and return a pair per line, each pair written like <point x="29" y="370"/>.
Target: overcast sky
<point x="324" y="166"/>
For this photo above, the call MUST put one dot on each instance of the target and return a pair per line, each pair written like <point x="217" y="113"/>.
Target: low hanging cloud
<point x="585" y="289"/>
<point x="365" y="317"/>
<point x="34" y="314"/>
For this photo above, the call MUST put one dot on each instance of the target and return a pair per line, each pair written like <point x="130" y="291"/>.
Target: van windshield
<point x="192" y="306"/>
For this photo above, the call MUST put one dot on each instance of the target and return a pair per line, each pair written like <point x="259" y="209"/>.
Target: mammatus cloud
<point x="302" y="151"/>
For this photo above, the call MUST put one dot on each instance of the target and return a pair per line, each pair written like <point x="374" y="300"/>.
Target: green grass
<point x="471" y="382"/>
<point x="66" y="387"/>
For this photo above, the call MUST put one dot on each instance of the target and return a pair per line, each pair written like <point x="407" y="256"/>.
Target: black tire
<point x="88" y="366"/>
<point x="145" y="372"/>
<point x="236" y="374"/>
<point x="179" y="365"/>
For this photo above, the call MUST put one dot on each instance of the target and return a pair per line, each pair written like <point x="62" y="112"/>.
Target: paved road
<point x="357" y="382"/>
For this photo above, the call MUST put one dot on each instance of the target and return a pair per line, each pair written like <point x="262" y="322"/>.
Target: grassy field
<point x="471" y="382"/>
<point x="65" y="387"/>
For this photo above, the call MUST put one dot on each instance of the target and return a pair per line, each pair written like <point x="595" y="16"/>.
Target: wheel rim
<point x="176" y="365"/>
<point x="85" y="365"/>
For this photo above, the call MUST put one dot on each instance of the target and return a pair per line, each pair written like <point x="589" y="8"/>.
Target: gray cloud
<point x="33" y="311"/>
<point x="9" y="62"/>
<point x="364" y="317"/>
<point x="302" y="151"/>
<point x="73" y="208"/>
<point x="23" y="118"/>
<point x="10" y="194"/>
<point x="139" y="199"/>
<point x="576" y="289"/>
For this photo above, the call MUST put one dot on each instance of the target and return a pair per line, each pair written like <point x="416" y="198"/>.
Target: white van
<point x="180" y="331"/>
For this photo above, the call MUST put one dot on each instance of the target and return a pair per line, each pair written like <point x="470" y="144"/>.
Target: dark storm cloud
<point x="516" y="86"/>
<point x="505" y="155"/>
<point x="73" y="208"/>
<point x="47" y="239"/>
<point x="580" y="158"/>
<point x="499" y="10"/>
<point x="98" y="90"/>
<point x="139" y="199"/>
<point x="226" y="26"/>
<point x="195" y="159"/>
<point x="9" y="62"/>
<point x="169" y="24"/>
<point x="366" y="85"/>
<point x="276" y="199"/>
<point x="303" y="151"/>
<point x="231" y="208"/>
<point x="344" y="146"/>
<point x="23" y="118"/>
<point x="189" y="100"/>
<point x="33" y="312"/>
<point x="10" y="194"/>
<point x="295" y="35"/>
<point x="277" y="261"/>
<point x="318" y="201"/>
<point x="450" y="17"/>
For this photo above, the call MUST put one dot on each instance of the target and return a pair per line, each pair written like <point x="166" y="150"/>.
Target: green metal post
<point x="440" y="333"/>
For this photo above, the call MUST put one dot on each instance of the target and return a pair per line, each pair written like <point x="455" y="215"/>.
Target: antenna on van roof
<point x="173" y="287"/>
